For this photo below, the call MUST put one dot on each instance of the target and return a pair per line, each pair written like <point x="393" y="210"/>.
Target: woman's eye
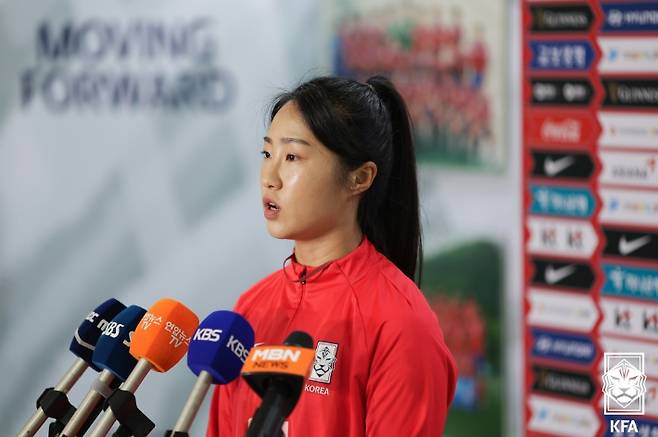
<point x="265" y="153"/>
<point x="290" y="157"/>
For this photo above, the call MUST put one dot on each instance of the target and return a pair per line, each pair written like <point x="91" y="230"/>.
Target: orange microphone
<point x="277" y="374"/>
<point x="160" y="340"/>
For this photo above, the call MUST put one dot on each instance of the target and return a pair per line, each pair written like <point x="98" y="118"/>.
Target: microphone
<point x="277" y="374"/>
<point x="217" y="352"/>
<point x="112" y="354"/>
<point x="82" y="346"/>
<point x="159" y="342"/>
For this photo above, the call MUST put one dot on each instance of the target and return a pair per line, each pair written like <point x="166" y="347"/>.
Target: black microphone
<point x="277" y="374"/>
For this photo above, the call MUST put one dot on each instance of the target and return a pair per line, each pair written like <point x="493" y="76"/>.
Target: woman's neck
<point x="328" y="247"/>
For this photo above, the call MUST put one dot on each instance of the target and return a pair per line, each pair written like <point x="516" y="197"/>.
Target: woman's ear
<point x="362" y="178"/>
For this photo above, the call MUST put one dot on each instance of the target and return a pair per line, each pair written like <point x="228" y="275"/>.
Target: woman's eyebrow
<point x="288" y="140"/>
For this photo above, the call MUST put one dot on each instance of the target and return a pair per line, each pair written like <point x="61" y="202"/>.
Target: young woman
<point x="339" y="178"/>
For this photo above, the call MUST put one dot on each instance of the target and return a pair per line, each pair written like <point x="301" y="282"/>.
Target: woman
<point x="339" y="178"/>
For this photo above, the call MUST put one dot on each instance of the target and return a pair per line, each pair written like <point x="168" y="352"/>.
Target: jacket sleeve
<point x="411" y="382"/>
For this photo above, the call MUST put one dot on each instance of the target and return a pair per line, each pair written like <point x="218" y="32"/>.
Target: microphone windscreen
<point x="299" y="338"/>
<point x="87" y="334"/>
<point x="220" y="346"/>
<point x="113" y="348"/>
<point x="163" y="335"/>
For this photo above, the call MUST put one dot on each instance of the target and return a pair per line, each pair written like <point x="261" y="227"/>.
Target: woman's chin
<point x="278" y="231"/>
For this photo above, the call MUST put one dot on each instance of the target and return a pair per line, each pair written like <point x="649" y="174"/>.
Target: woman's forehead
<point x="289" y="123"/>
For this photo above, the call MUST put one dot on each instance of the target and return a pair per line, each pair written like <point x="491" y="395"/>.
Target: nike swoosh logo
<point x="553" y="275"/>
<point x="630" y="246"/>
<point x="554" y="167"/>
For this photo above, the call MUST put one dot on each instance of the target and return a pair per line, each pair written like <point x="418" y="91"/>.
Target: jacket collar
<point x="352" y="265"/>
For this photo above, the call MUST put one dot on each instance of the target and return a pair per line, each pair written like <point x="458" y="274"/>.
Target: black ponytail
<point x="370" y="122"/>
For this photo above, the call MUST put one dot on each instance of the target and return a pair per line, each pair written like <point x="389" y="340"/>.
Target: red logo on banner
<point x="574" y="129"/>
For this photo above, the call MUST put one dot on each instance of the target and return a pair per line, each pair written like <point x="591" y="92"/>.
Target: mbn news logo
<point x="623" y="388"/>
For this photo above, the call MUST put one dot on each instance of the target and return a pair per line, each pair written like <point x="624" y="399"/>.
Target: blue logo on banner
<point x="644" y="427"/>
<point x="561" y="55"/>
<point x="570" y="202"/>
<point x="564" y="347"/>
<point x="630" y="282"/>
<point x="630" y="17"/>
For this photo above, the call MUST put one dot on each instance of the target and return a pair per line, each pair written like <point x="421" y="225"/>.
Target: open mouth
<point x="271" y="206"/>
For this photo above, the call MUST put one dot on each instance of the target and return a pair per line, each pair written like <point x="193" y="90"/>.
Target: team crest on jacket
<point x="325" y="361"/>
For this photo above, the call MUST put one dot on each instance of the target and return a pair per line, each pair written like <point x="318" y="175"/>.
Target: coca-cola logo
<point x="566" y="131"/>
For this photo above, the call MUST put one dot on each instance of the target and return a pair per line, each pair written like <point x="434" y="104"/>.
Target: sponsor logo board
<point x="629" y="207"/>
<point x="574" y="312"/>
<point x="624" y="130"/>
<point x="633" y="169"/>
<point x="559" y="237"/>
<point x="563" y="418"/>
<point x="629" y="318"/>
<point x="575" y="55"/>
<point x="626" y="281"/>
<point x="628" y="55"/>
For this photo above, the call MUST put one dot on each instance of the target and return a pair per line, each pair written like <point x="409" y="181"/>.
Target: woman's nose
<point x="270" y="175"/>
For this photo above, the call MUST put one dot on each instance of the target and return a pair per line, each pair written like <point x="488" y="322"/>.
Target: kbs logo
<point x="325" y="362"/>
<point x="624" y="383"/>
<point x="207" y="334"/>
<point x="113" y="329"/>
<point x="235" y="346"/>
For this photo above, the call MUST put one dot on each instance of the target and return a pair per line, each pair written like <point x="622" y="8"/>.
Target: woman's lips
<point x="270" y="208"/>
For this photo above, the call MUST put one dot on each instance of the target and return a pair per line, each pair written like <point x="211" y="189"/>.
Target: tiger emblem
<point x="325" y="362"/>
<point x="624" y="383"/>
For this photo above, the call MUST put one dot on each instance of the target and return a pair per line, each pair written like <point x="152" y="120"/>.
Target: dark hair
<point x="370" y="122"/>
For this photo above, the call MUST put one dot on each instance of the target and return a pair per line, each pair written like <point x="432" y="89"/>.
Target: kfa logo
<point x="624" y="384"/>
<point x="325" y="362"/>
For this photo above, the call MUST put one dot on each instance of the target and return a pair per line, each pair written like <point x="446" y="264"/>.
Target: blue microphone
<point x="218" y="350"/>
<point x="82" y="346"/>
<point x="112" y="355"/>
<point x="90" y="330"/>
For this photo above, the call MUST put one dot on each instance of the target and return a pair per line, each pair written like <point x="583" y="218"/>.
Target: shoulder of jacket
<point x="252" y="294"/>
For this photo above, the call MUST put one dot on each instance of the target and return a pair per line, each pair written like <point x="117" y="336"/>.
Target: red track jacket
<point x="382" y="367"/>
